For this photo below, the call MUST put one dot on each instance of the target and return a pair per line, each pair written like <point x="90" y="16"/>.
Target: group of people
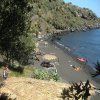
<point x="5" y="72"/>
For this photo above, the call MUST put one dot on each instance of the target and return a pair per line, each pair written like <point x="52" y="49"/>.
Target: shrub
<point x="54" y="76"/>
<point x="97" y="72"/>
<point x="77" y="91"/>
<point x="40" y="74"/>
<point x="45" y="75"/>
<point x="5" y="96"/>
<point x="18" y="69"/>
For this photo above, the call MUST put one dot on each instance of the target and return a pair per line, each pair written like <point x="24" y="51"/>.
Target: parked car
<point x="47" y="64"/>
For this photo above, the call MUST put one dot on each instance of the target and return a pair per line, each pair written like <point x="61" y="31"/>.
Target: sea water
<point x="84" y="44"/>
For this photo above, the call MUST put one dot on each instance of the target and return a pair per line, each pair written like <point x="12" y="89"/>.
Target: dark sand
<point x="63" y="65"/>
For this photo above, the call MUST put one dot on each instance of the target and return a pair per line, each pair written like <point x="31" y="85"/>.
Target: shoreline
<point x="64" y="70"/>
<point x="87" y="68"/>
<point x="84" y="29"/>
<point x="67" y="51"/>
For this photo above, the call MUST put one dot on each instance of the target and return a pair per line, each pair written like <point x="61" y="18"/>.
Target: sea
<point x="83" y="45"/>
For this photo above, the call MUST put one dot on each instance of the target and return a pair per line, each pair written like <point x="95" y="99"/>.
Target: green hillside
<point x="50" y="15"/>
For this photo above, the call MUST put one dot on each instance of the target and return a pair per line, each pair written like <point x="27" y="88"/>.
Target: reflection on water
<point x="84" y="44"/>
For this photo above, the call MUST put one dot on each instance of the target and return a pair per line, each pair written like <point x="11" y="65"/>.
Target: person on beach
<point x="76" y="68"/>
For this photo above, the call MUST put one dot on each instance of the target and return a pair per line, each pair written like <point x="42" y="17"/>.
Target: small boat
<point x="82" y="59"/>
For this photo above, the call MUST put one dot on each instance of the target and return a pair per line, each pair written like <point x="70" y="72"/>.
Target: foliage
<point x="18" y="69"/>
<point x="45" y="75"/>
<point x="2" y="64"/>
<point x="15" y="22"/>
<point x="5" y="96"/>
<point x="56" y="14"/>
<point x="26" y="72"/>
<point x="77" y="91"/>
<point x="97" y="72"/>
<point x="34" y="73"/>
<point x="24" y="48"/>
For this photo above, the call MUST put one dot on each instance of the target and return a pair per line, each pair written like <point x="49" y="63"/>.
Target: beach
<point x="64" y="64"/>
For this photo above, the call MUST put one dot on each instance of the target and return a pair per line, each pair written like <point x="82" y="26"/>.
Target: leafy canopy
<point x="14" y="23"/>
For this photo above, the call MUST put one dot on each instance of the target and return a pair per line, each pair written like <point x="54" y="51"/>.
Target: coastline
<point x="60" y="32"/>
<point x="64" y="69"/>
<point x="89" y="70"/>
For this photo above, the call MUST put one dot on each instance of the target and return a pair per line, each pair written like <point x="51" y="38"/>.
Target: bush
<point x="45" y="75"/>
<point x="54" y="76"/>
<point x="18" y="69"/>
<point x="77" y="91"/>
<point x="5" y="96"/>
<point x="97" y="67"/>
<point x="40" y="74"/>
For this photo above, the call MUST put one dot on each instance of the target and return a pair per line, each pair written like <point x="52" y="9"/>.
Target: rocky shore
<point x="78" y="29"/>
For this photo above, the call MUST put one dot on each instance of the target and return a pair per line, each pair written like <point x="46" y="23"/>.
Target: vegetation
<point x="15" y="23"/>
<point x="34" y="73"/>
<point x="25" y="71"/>
<point x="52" y="15"/>
<point x="45" y="75"/>
<point x="5" y="96"/>
<point x="21" y="19"/>
<point x="77" y="91"/>
<point x="97" y="72"/>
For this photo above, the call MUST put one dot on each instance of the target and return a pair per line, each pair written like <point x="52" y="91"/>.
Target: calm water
<point x="84" y="44"/>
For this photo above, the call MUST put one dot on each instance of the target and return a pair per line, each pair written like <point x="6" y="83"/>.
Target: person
<point x="4" y="74"/>
<point x="76" y="68"/>
<point x="7" y="70"/>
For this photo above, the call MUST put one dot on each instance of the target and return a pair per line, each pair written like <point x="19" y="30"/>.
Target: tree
<point x="14" y="23"/>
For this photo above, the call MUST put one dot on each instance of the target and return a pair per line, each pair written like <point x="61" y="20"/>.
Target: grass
<point x="26" y="72"/>
<point x="36" y="73"/>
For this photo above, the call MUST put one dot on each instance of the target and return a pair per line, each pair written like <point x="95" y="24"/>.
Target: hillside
<point x="51" y="15"/>
<point x="32" y="89"/>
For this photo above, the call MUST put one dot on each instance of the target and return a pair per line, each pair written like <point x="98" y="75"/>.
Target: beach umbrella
<point x="49" y="57"/>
